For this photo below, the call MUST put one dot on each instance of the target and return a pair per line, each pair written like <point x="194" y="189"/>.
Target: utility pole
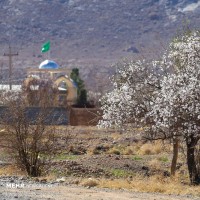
<point x="1" y="72"/>
<point x="10" y="55"/>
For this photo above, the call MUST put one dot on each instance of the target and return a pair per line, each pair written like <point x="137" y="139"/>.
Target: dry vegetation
<point x="95" y="158"/>
<point x="152" y="184"/>
<point x="11" y="170"/>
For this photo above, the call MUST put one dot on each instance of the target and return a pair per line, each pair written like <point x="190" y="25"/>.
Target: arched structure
<point x="67" y="90"/>
<point x="62" y="89"/>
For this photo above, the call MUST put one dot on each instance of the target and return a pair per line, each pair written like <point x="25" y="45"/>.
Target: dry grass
<point x="155" y="164"/>
<point x="90" y="182"/>
<point x="150" y="149"/>
<point x="116" y="136"/>
<point x="146" y="149"/>
<point x="153" y="184"/>
<point x="46" y="178"/>
<point x="92" y="151"/>
<point x="98" y="149"/>
<point x="11" y="170"/>
<point x="114" y="150"/>
<point x="158" y="147"/>
<point x="130" y="150"/>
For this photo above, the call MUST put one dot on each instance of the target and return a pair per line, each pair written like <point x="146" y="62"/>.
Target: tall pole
<point x="10" y="55"/>
<point x="1" y="71"/>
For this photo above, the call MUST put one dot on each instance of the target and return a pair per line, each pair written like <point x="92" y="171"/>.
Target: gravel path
<point x="79" y="193"/>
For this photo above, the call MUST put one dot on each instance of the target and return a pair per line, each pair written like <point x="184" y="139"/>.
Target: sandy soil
<point x="80" y="193"/>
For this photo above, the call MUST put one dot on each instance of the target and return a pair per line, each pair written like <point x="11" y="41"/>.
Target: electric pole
<point x="1" y="72"/>
<point x="10" y="55"/>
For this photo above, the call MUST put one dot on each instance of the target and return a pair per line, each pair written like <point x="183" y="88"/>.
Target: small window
<point x="63" y="85"/>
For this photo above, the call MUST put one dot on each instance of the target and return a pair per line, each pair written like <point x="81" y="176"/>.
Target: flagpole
<point x="49" y="52"/>
<point x="49" y="55"/>
<point x="46" y="48"/>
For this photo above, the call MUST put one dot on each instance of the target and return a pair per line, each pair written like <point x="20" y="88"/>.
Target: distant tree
<point x="94" y="97"/>
<point x="78" y="81"/>
<point x="82" y="92"/>
<point x="82" y="100"/>
<point x="40" y="92"/>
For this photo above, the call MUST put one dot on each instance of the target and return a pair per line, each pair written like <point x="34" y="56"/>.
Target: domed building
<point x="48" y="64"/>
<point x="50" y="78"/>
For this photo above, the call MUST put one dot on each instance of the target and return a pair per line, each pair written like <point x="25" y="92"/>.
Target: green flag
<point x="45" y="47"/>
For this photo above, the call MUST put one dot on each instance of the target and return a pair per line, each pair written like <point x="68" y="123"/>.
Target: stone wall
<point x="54" y="115"/>
<point x="59" y="115"/>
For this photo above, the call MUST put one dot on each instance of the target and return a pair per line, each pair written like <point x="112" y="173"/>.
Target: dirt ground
<point x="107" y="157"/>
<point x="80" y="193"/>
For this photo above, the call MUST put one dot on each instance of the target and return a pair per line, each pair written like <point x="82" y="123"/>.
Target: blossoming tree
<point x="131" y="96"/>
<point x="165" y="96"/>
<point x="176" y="106"/>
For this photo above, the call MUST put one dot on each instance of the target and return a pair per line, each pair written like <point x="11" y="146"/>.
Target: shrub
<point x="146" y="149"/>
<point x="114" y="151"/>
<point x="90" y="183"/>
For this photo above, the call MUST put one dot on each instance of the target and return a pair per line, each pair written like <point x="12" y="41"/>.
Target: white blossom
<point x="164" y="93"/>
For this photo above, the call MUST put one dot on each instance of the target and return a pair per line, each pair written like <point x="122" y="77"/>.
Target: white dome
<point x="48" y="64"/>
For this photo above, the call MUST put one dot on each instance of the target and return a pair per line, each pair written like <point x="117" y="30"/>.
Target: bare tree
<point x="26" y="136"/>
<point x="40" y="92"/>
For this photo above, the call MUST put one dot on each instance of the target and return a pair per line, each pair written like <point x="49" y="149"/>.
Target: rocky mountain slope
<point x="90" y="34"/>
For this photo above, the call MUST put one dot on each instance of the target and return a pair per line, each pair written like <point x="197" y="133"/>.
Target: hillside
<point x="90" y="34"/>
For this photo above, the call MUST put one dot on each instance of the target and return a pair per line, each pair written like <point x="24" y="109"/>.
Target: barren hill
<point x="90" y="34"/>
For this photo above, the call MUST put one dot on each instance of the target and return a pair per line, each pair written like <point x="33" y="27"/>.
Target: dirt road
<point x="80" y="193"/>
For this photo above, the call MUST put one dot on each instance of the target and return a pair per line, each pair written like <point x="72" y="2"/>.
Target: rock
<point x="43" y="180"/>
<point x="61" y="180"/>
<point x="133" y="49"/>
<point x="166" y="174"/>
<point x="145" y="168"/>
<point x="22" y="178"/>
<point x="37" y="180"/>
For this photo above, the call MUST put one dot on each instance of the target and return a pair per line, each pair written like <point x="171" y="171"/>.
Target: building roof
<point x="48" y="64"/>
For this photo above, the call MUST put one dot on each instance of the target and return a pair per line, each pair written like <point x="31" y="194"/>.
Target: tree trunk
<point x="192" y="168"/>
<point x="34" y="171"/>
<point x="175" y="156"/>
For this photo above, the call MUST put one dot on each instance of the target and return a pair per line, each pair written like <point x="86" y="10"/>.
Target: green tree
<point x="81" y="91"/>
<point x="82" y="101"/>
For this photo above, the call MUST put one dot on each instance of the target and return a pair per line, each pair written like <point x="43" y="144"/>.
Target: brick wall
<point x="85" y="116"/>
